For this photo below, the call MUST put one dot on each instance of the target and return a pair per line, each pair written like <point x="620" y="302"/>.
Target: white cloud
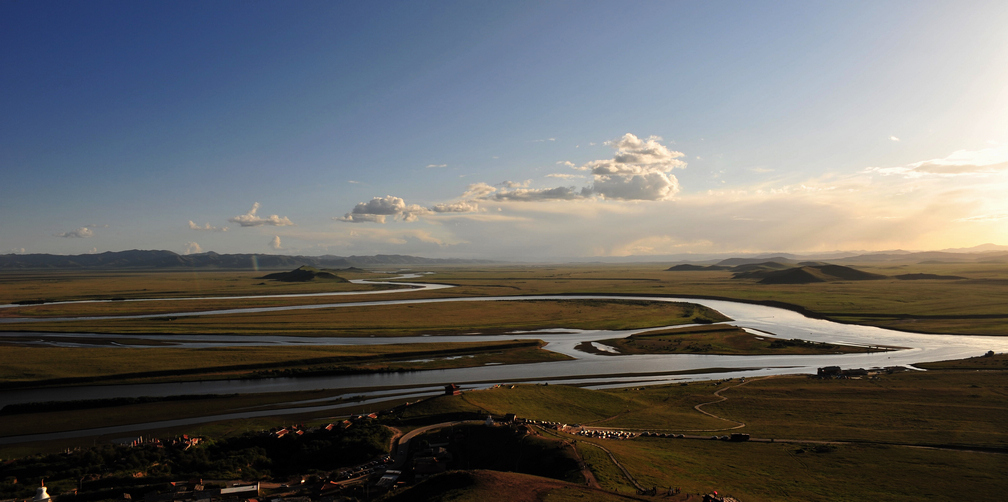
<point x="93" y="251"/>
<point x="379" y="208"/>
<point x="534" y="194"/>
<point x="361" y="218"/>
<point x="478" y="191"/>
<point x="893" y="138"/>
<point x="250" y="219"/>
<point x="192" y="248"/>
<point x="432" y="166"/>
<point x="275" y="242"/>
<point x="638" y="171"/>
<point x="353" y="182"/>
<point x="961" y="162"/>
<point x="566" y="163"/>
<point x="17" y="251"/>
<point x="207" y="227"/>
<point x="80" y="233"/>
<point x="465" y="206"/>
<point x="515" y="184"/>
<point x="565" y="176"/>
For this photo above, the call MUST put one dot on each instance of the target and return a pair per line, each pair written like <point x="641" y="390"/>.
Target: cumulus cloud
<point x="465" y="206"/>
<point x="534" y="194"/>
<point x="207" y="228"/>
<point x="250" y="219"/>
<point x="515" y="184"/>
<point x="192" y="248"/>
<point x="378" y="209"/>
<point x="478" y="191"/>
<point x="275" y="242"/>
<point x="962" y="162"/>
<point x="80" y="233"/>
<point x="361" y="218"/>
<point x="638" y="171"/>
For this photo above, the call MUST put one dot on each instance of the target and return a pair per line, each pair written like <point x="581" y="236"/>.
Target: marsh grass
<point x="55" y="365"/>
<point x="718" y="339"/>
<point x="443" y="318"/>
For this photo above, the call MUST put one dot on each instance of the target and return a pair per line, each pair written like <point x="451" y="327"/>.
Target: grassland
<point x="931" y="436"/>
<point x="443" y="318"/>
<point x="483" y="485"/>
<point x="37" y="366"/>
<point x="974" y="305"/>
<point x="719" y="339"/>
<point x="59" y="285"/>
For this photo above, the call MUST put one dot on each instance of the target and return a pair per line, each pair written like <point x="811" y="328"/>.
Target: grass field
<point x="975" y="305"/>
<point x="61" y="285"/>
<point x="25" y="366"/>
<point x="717" y="339"/>
<point x="444" y="318"/>
<point x="898" y="437"/>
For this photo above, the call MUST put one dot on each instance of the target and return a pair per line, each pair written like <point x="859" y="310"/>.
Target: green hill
<point x="807" y="274"/>
<point x="304" y="273"/>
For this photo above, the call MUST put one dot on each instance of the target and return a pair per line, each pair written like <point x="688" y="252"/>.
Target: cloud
<point x="361" y="218"/>
<point x="192" y="248"/>
<point x="566" y="163"/>
<point x="353" y="182"/>
<point x="275" y="242"/>
<point x="534" y="194"/>
<point x="565" y="176"/>
<point x="543" y="140"/>
<point x="93" y="251"/>
<point x="80" y="233"/>
<point x="17" y="251"/>
<point x="515" y="184"/>
<point x="959" y="163"/>
<point x="432" y="166"/>
<point x="207" y="227"/>
<point x="379" y="208"/>
<point x="638" y="171"/>
<point x="893" y="138"/>
<point x="250" y="219"/>
<point x="478" y="191"/>
<point x="465" y="206"/>
<point x="985" y="217"/>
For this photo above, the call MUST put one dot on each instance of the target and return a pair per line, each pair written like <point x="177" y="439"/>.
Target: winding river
<point x="591" y="370"/>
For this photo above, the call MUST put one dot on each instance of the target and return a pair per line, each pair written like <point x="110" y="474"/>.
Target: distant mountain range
<point x="789" y="272"/>
<point x="138" y="259"/>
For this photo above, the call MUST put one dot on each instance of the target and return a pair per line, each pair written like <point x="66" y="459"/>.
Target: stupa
<point x="41" y="495"/>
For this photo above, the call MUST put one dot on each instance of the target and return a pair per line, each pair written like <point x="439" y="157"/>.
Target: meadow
<point x="973" y="305"/>
<point x="47" y="366"/>
<point x="719" y="339"/>
<point x="933" y="436"/>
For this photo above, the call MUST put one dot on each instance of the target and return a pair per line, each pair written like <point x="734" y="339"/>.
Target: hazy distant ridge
<point x="139" y="259"/>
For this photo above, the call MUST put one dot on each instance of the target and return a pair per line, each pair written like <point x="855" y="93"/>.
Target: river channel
<point x="590" y="370"/>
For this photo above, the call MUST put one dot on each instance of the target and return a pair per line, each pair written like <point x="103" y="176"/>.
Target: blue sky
<point x="524" y="130"/>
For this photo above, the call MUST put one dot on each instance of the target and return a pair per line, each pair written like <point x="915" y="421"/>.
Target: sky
<point x="525" y="131"/>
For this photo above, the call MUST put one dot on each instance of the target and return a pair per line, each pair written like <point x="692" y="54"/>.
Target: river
<point x="590" y="370"/>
